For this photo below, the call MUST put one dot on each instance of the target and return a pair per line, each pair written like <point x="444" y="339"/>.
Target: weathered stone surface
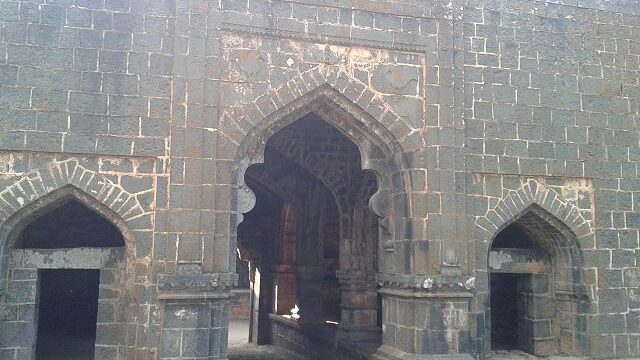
<point x="445" y="123"/>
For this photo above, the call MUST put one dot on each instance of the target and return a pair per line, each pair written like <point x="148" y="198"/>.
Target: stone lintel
<point x="217" y="295"/>
<point x="413" y="294"/>
<point x="73" y="258"/>
<point x="518" y="261"/>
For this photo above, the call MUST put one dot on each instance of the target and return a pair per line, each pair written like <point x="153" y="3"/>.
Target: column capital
<point x="355" y="275"/>
<point x="359" y="279"/>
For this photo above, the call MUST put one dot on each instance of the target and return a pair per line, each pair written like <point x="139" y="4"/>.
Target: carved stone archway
<point x="342" y="101"/>
<point x="561" y="229"/>
<point x="351" y="108"/>
<point x="34" y="194"/>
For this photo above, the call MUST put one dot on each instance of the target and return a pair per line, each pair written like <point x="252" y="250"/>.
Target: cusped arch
<point x="558" y="240"/>
<point x="338" y="99"/>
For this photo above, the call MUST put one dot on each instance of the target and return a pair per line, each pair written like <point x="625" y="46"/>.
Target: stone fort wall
<point x="486" y="99"/>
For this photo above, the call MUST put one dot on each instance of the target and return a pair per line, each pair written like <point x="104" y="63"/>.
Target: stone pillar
<point x="262" y="285"/>
<point x="285" y="282"/>
<point x="309" y="291"/>
<point x="358" y="307"/>
<point x="570" y="325"/>
<point x="534" y="320"/>
<point x="425" y="317"/>
<point x="195" y="316"/>
<point x="254" y="275"/>
<point x="265" y="306"/>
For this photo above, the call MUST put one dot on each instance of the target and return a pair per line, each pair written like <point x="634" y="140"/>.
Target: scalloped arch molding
<point x="377" y="130"/>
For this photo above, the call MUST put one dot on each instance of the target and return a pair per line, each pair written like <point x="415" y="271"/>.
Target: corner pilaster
<point x="358" y="307"/>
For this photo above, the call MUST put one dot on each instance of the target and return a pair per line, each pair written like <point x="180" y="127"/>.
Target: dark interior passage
<point x="311" y="240"/>
<point x="68" y="309"/>
<point x="504" y="311"/>
<point x="522" y="308"/>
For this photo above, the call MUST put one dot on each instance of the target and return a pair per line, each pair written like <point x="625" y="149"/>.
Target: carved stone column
<point x="265" y="306"/>
<point x="358" y="306"/>
<point x="309" y="289"/>
<point x="286" y="289"/>
<point x="195" y="316"/>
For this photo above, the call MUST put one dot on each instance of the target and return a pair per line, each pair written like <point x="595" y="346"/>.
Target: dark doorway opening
<point x="69" y="224"/>
<point x="68" y="311"/>
<point x="504" y="311"/>
<point x="522" y="304"/>
<point x="311" y="240"/>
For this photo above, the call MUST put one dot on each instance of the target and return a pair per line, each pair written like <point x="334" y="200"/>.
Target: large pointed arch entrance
<point x="331" y="170"/>
<point x="324" y="262"/>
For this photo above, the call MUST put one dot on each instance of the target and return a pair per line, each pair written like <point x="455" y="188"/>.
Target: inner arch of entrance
<point x="337" y="170"/>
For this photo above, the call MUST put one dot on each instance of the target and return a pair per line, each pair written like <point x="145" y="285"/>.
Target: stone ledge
<point x="321" y="339"/>
<point x="311" y="37"/>
<point x="218" y="295"/>
<point x="416" y="293"/>
<point x="427" y="283"/>
<point x="195" y="284"/>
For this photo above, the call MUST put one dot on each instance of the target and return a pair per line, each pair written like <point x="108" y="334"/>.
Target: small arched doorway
<point x="65" y="272"/>
<point x="534" y="267"/>
<point x="313" y="238"/>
